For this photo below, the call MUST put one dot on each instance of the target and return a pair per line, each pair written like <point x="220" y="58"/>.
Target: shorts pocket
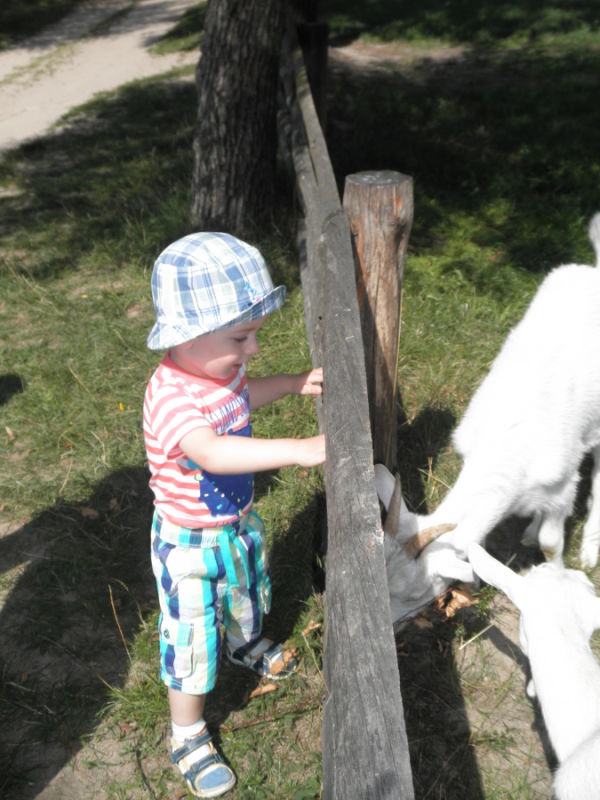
<point x="176" y="648"/>
<point x="264" y="594"/>
<point x="261" y="562"/>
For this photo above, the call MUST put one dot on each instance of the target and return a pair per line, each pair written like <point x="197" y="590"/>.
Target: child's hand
<point x="311" y="451"/>
<point x="310" y="382"/>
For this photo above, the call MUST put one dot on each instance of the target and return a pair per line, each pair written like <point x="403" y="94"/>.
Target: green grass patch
<point x="466" y="22"/>
<point x="186" y="34"/>
<point x="21" y="18"/>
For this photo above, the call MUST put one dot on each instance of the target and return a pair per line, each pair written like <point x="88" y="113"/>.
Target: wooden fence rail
<point x="364" y="745"/>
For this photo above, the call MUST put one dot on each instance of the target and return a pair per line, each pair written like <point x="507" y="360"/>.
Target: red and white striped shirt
<point x="176" y="403"/>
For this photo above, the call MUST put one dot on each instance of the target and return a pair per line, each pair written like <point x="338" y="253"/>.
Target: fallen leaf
<point x="264" y="688"/>
<point x="127" y="727"/>
<point x="423" y="622"/>
<point x="10" y="434"/>
<point x="312" y="626"/>
<point x="455" y="598"/>
<point x="89" y="513"/>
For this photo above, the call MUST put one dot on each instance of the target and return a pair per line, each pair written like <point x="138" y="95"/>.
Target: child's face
<point x="219" y="355"/>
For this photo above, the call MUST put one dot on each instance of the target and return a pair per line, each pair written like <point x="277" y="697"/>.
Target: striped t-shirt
<point x="176" y="403"/>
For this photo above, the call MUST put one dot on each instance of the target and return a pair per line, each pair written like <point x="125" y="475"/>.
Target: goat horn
<point x="420" y="540"/>
<point x="392" y="518"/>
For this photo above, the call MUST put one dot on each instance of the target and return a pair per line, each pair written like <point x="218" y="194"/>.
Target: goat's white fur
<point x="522" y="439"/>
<point x="559" y="612"/>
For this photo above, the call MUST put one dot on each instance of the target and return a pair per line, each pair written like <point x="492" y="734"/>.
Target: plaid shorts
<point x="207" y="579"/>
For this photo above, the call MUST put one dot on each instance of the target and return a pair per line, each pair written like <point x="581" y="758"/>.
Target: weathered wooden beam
<point x="364" y="745"/>
<point x="365" y="750"/>
<point x="380" y="209"/>
<point x="313" y="38"/>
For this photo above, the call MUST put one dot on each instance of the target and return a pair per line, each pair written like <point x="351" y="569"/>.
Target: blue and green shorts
<point x="208" y="579"/>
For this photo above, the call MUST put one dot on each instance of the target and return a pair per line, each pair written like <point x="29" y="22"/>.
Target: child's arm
<point x="274" y="387"/>
<point x="229" y="455"/>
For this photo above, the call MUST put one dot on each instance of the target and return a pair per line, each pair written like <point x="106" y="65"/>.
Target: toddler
<point x="212" y="292"/>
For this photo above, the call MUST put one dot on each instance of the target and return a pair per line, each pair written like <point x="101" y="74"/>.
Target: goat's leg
<point x="578" y="777"/>
<point x="590" y="542"/>
<point x="531" y="532"/>
<point x="551" y="536"/>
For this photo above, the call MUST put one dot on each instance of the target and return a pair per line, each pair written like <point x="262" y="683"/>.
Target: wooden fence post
<point x="379" y="206"/>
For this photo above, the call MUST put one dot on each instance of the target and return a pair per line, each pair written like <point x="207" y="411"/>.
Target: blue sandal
<point x="265" y="658"/>
<point x="206" y="776"/>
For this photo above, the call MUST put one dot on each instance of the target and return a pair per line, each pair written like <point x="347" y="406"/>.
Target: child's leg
<point x="192" y="749"/>
<point x="190" y="585"/>
<point x="186" y="709"/>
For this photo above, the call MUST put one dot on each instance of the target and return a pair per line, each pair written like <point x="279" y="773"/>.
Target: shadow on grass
<point x="60" y="638"/>
<point x="502" y="146"/>
<point x="21" y="18"/>
<point x="60" y="22"/>
<point x="10" y="384"/>
<point x="85" y="578"/>
<point x="113" y="185"/>
<point x="114" y="180"/>
<point x="460" y="22"/>
<point x="442" y="759"/>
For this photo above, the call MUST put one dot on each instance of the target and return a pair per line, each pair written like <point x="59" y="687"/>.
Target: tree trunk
<point x="235" y="139"/>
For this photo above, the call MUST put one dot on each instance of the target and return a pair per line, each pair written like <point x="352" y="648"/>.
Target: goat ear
<point x="446" y="564"/>
<point x="494" y="572"/>
<point x="384" y="483"/>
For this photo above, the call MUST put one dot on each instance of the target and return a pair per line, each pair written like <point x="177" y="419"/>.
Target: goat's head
<point x="564" y="597"/>
<point x="420" y="566"/>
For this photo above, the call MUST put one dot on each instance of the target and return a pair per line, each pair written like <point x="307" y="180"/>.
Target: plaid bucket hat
<point x="205" y="282"/>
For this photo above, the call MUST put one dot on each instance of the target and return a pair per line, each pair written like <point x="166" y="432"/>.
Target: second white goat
<point x="559" y="612"/>
<point x="522" y="440"/>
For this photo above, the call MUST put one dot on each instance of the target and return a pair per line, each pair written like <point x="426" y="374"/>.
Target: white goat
<point x="522" y="439"/>
<point x="559" y="613"/>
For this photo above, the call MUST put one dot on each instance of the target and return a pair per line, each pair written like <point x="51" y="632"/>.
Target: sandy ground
<point x="102" y="45"/>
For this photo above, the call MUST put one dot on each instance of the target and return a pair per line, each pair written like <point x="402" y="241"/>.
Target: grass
<point x="497" y="128"/>
<point x="21" y="18"/>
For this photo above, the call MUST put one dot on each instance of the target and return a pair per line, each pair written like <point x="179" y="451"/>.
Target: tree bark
<point x="235" y="138"/>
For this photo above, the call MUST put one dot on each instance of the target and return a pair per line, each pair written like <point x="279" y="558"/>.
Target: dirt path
<point x="100" y="46"/>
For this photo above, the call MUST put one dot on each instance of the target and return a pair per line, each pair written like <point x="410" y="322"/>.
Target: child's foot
<point x="205" y="772"/>
<point x="265" y="658"/>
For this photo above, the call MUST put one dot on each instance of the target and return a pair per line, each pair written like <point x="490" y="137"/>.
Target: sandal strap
<point x="200" y="766"/>
<point x="190" y="746"/>
<point x="245" y="649"/>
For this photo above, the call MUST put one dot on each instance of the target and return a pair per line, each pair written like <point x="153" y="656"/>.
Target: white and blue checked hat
<point x="206" y="282"/>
